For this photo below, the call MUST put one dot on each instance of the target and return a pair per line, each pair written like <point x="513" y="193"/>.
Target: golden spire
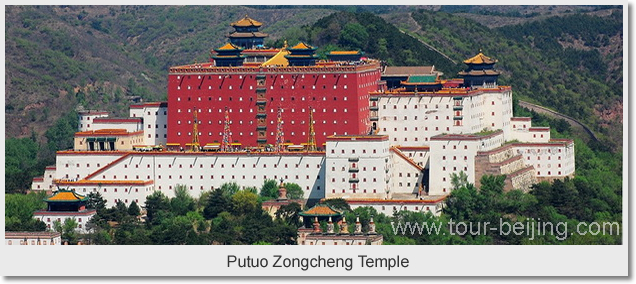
<point x="195" y="133"/>
<point x="311" y="143"/>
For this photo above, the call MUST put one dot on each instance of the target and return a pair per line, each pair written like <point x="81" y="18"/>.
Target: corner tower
<point x="480" y="72"/>
<point x="246" y="33"/>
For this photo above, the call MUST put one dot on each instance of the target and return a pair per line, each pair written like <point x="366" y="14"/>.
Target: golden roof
<point x="480" y="59"/>
<point x="320" y="210"/>
<point x="302" y="45"/>
<point x="66" y="196"/>
<point x="344" y="52"/>
<point x="228" y="46"/>
<point x="278" y="59"/>
<point x="246" y="22"/>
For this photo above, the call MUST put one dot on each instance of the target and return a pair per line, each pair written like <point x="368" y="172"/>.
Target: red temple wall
<point x="210" y="94"/>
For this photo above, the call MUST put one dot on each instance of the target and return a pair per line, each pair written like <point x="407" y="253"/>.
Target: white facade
<point x="120" y="172"/>
<point x="358" y="167"/>
<point x="406" y="175"/>
<point x="131" y="125"/>
<point x="81" y="217"/>
<point x="389" y="207"/>
<point x="455" y="153"/>
<point x="155" y="121"/>
<point x="420" y="140"/>
<point x="411" y="119"/>
<point x="550" y="160"/>
<point x="86" y="119"/>
<point x="44" y="182"/>
<point x="32" y="238"/>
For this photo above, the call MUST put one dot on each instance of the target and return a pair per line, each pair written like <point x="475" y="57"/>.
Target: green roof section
<point x="422" y="79"/>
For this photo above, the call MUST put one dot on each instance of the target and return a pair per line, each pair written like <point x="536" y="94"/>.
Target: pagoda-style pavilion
<point x="480" y="72"/>
<point x="319" y="212"/>
<point x="66" y="204"/>
<point x="228" y="55"/>
<point x="246" y="33"/>
<point x="302" y="54"/>
<point x="66" y="200"/>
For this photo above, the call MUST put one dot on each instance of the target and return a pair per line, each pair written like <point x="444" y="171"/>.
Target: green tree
<point x="95" y="201"/>
<point x="19" y="210"/>
<point x="354" y="35"/>
<point x="20" y="163"/>
<point x="289" y="214"/>
<point x="182" y="203"/>
<point x="133" y="209"/>
<point x="459" y="180"/>
<point x="294" y="191"/>
<point x="156" y="203"/>
<point x="230" y="188"/>
<point x="67" y="230"/>
<point x="244" y="202"/>
<point x="223" y="230"/>
<point x="217" y="202"/>
<point x="269" y="190"/>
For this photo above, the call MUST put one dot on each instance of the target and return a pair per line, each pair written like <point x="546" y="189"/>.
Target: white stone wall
<point x="550" y="160"/>
<point x="85" y="122"/>
<point x="411" y="120"/>
<point x="532" y="135"/>
<point x="47" y="180"/>
<point x="456" y="154"/>
<point x="367" y="161"/>
<point x="405" y="177"/>
<point x="49" y="217"/>
<point x="155" y="124"/>
<point x="205" y="172"/>
<point x="389" y="208"/>
<point x="74" y="166"/>
<point x="32" y="240"/>
<point x="129" y="126"/>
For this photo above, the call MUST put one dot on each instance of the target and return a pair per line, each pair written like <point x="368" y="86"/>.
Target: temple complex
<point x="339" y="124"/>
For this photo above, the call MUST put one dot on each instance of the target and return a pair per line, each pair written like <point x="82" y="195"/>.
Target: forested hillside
<point x="572" y="64"/>
<point x="58" y="57"/>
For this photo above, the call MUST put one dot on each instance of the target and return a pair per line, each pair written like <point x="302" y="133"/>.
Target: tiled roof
<point x="320" y="210"/>
<point x="66" y="196"/>
<point x="302" y="45"/>
<point x="480" y="59"/>
<point x="344" y="52"/>
<point x="229" y="46"/>
<point x="278" y="59"/>
<point x="246" y="22"/>
<point x="480" y="73"/>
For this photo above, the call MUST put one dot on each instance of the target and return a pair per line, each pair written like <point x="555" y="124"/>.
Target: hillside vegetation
<point x="572" y="64"/>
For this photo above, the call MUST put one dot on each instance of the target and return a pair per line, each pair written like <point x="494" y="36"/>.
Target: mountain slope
<point x="60" y="56"/>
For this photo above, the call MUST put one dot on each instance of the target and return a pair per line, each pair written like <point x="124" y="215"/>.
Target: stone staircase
<point x="504" y="161"/>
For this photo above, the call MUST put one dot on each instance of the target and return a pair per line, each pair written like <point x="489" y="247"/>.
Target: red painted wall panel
<point x="210" y="94"/>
